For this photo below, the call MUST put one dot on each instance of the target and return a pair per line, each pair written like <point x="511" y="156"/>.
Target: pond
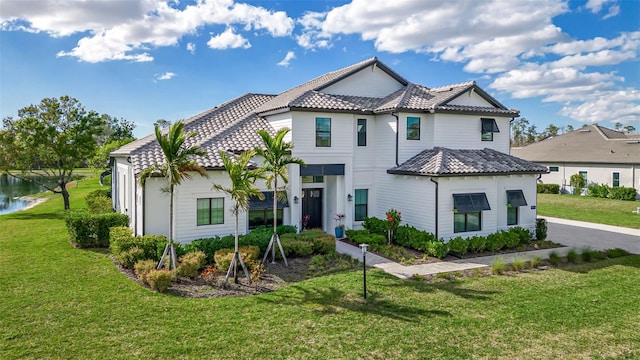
<point x="11" y="188"/>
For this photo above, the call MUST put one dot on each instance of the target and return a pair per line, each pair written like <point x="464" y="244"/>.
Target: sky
<point x="558" y="62"/>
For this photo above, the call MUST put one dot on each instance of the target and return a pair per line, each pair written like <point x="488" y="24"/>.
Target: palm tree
<point x="178" y="161"/>
<point x="242" y="188"/>
<point x="277" y="155"/>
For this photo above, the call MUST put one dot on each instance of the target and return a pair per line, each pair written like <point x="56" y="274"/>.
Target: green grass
<point x="590" y="209"/>
<point x="62" y="302"/>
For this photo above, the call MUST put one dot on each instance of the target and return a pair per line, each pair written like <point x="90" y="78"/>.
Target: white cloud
<point x="129" y="30"/>
<point x="191" y="47"/>
<point x="285" y="62"/>
<point x="595" y="6"/>
<point x="228" y="40"/>
<point x="165" y="76"/>
<point x="600" y="58"/>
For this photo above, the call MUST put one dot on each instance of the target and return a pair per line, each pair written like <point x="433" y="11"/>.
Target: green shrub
<point x="598" y="255"/>
<point x="524" y="235"/>
<point x="287" y="229"/>
<point x="510" y="239"/>
<point x="541" y="229"/>
<point x="572" y="256"/>
<point x="623" y="193"/>
<point x="586" y="254"/>
<point x="410" y="237"/>
<point x="352" y="233"/>
<point x="250" y="255"/>
<point x="577" y="182"/>
<point x="554" y="258"/>
<point x="375" y="225"/>
<point x="477" y="243"/>
<point x="495" y="242"/>
<point x="129" y="257"/>
<point x="459" y="245"/>
<point x="498" y="266"/>
<point x="548" y="188"/>
<point x="297" y="248"/>
<point x="98" y="193"/>
<point x="160" y="280"/>
<point x="437" y="248"/>
<point x="191" y="263"/>
<point x="616" y="253"/>
<point x="371" y="239"/>
<point x="122" y="239"/>
<point x="599" y="190"/>
<point x="143" y="267"/>
<point x="161" y="244"/>
<point x="99" y="205"/>
<point x="518" y="264"/>
<point x="324" y="245"/>
<point x="535" y="261"/>
<point x="92" y="230"/>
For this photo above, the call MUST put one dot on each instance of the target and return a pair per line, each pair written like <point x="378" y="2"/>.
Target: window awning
<point x="516" y="198"/>
<point x="490" y="125"/>
<point x="470" y="202"/>
<point x="267" y="203"/>
<point x="322" y="169"/>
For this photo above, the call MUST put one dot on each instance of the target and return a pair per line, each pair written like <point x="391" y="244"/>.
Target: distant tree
<point x="569" y="128"/>
<point x="618" y="126"/>
<point x="242" y="188"/>
<point x="531" y="135"/>
<point x="101" y="158"/>
<point x="51" y="138"/>
<point x="577" y="182"/>
<point x="178" y="162"/>
<point x="629" y="129"/>
<point x="551" y="130"/>
<point x="518" y="132"/>
<point x="162" y="123"/>
<point x="117" y="133"/>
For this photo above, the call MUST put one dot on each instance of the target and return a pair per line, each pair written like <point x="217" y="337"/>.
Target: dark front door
<point x="312" y="206"/>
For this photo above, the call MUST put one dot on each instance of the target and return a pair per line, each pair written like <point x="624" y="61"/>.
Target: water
<point x="10" y="189"/>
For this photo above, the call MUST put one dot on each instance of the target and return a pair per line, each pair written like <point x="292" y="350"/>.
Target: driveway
<point x="580" y="234"/>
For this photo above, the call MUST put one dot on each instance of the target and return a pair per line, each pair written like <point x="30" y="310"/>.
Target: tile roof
<point x="441" y="161"/>
<point x="592" y="144"/>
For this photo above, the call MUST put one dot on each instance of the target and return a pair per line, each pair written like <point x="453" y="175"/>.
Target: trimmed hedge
<point x="375" y="225"/>
<point x="122" y="239"/>
<point x="547" y="188"/>
<point x="92" y="230"/>
<point x="411" y="237"/>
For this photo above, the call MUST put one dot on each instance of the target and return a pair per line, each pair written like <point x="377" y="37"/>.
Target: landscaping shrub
<point x="209" y="273"/>
<point x="547" y="188"/>
<point x="99" y="205"/>
<point x="572" y="256"/>
<point x="122" y="239"/>
<point x="518" y="264"/>
<point x="554" y="258"/>
<point x="541" y="229"/>
<point x="351" y="233"/>
<point x="297" y="248"/>
<point x="190" y="263"/>
<point x="92" y="230"/>
<point x="129" y="257"/>
<point x="623" y="193"/>
<point x="477" y="243"/>
<point x="410" y="237"/>
<point x="510" y="239"/>
<point x="161" y="244"/>
<point x="437" y="248"/>
<point x="599" y="190"/>
<point x="586" y="254"/>
<point x="98" y="193"/>
<point x="324" y="244"/>
<point x="143" y="267"/>
<point x="535" y="261"/>
<point x="495" y="242"/>
<point x="250" y="255"/>
<point x="371" y="239"/>
<point x="617" y="252"/>
<point x="160" y="280"/>
<point x="459" y="245"/>
<point x="498" y="266"/>
<point x="375" y="225"/>
<point x="287" y="229"/>
<point x="577" y="182"/>
<point x="524" y="235"/>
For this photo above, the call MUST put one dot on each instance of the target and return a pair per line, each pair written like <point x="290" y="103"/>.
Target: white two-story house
<point x="371" y="140"/>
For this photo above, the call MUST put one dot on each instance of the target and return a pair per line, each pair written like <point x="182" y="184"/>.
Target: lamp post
<point x="364" y="267"/>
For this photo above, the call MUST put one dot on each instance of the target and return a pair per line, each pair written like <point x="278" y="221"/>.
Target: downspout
<point x="135" y="205"/>
<point x="436" y="227"/>
<point x="397" y="135"/>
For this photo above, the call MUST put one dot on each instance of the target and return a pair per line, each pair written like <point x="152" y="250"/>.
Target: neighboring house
<point x="601" y="155"/>
<point x="372" y="141"/>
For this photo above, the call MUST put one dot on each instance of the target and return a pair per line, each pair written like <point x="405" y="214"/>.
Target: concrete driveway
<point x="580" y="234"/>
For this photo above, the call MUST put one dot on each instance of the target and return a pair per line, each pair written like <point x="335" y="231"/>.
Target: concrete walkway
<point x="573" y="234"/>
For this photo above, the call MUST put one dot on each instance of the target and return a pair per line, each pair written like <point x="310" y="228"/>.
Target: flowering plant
<point x="305" y="221"/>
<point x="339" y="218"/>
<point x="393" y="221"/>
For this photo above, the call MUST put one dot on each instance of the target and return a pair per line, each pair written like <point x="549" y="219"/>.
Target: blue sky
<point x="557" y="62"/>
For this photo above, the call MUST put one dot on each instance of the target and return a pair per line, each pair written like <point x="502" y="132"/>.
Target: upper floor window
<point x="362" y="132"/>
<point x="489" y="126"/>
<point x="616" y="179"/>
<point x="362" y="203"/>
<point x="413" y="128"/>
<point x="312" y="179"/>
<point x="323" y="132"/>
<point x="210" y="211"/>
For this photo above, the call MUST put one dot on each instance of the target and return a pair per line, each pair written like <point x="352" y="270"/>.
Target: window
<point x="468" y="209"/>
<point x="553" y="169"/>
<point x="362" y="201"/>
<point x="616" y="179"/>
<point x="584" y="176"/>
<point x="312" y="179"/>
<point x="413" y="128"/>
<point x="512" y="216"/>
<point x="463" y="222"/>
<point x="323" y="132"/>
<point x="489" y="126"/>
<point x="362" y="132"/>
<point x="210" y="211"/>
<point x="263" y="217"/>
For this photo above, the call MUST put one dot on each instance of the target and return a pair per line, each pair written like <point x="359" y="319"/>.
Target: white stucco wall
<point x="456" y="131"/>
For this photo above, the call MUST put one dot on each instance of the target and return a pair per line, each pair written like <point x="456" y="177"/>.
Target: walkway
<point x="573" y="234"/>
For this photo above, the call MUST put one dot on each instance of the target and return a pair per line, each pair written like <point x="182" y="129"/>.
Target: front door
<point x="312" y="206"/>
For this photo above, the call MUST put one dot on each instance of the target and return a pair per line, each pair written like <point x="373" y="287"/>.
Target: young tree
<point x="569" y="128"/>
<point x="629" y="129"/>
<point x="52" y="139"/>
<point x="178" y="162"/>
<point x="242" y="188"/>
<point x="618" y="126"/>
<point x="277" y="155"/>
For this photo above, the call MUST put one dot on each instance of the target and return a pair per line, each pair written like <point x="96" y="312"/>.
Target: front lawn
<point x="590" y="209"/>
<point x="62" y="302"/>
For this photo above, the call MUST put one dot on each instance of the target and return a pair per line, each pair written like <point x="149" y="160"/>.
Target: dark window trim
<point x="615" y="181"/>
<point x="517" y="210"/>
<point x="210" y="221"/>
<point x="362" y="135"/>
<point x="366" y="205"/>
<point x="267" y="222"/>
<point x="413" y="128"/>
<point x="323" y="132"/>
<point x="516" y="198"/>
<point x="470" y="202"/>
<point x="488" y="127"/>
<point x="466" y="222"/>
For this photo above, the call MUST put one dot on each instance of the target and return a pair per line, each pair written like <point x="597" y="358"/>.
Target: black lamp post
<point x="364" y="267"/>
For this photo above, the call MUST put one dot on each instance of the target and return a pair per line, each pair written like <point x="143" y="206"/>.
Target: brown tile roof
<point x="591" y="144"/>
<point x="441" y="161"/>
